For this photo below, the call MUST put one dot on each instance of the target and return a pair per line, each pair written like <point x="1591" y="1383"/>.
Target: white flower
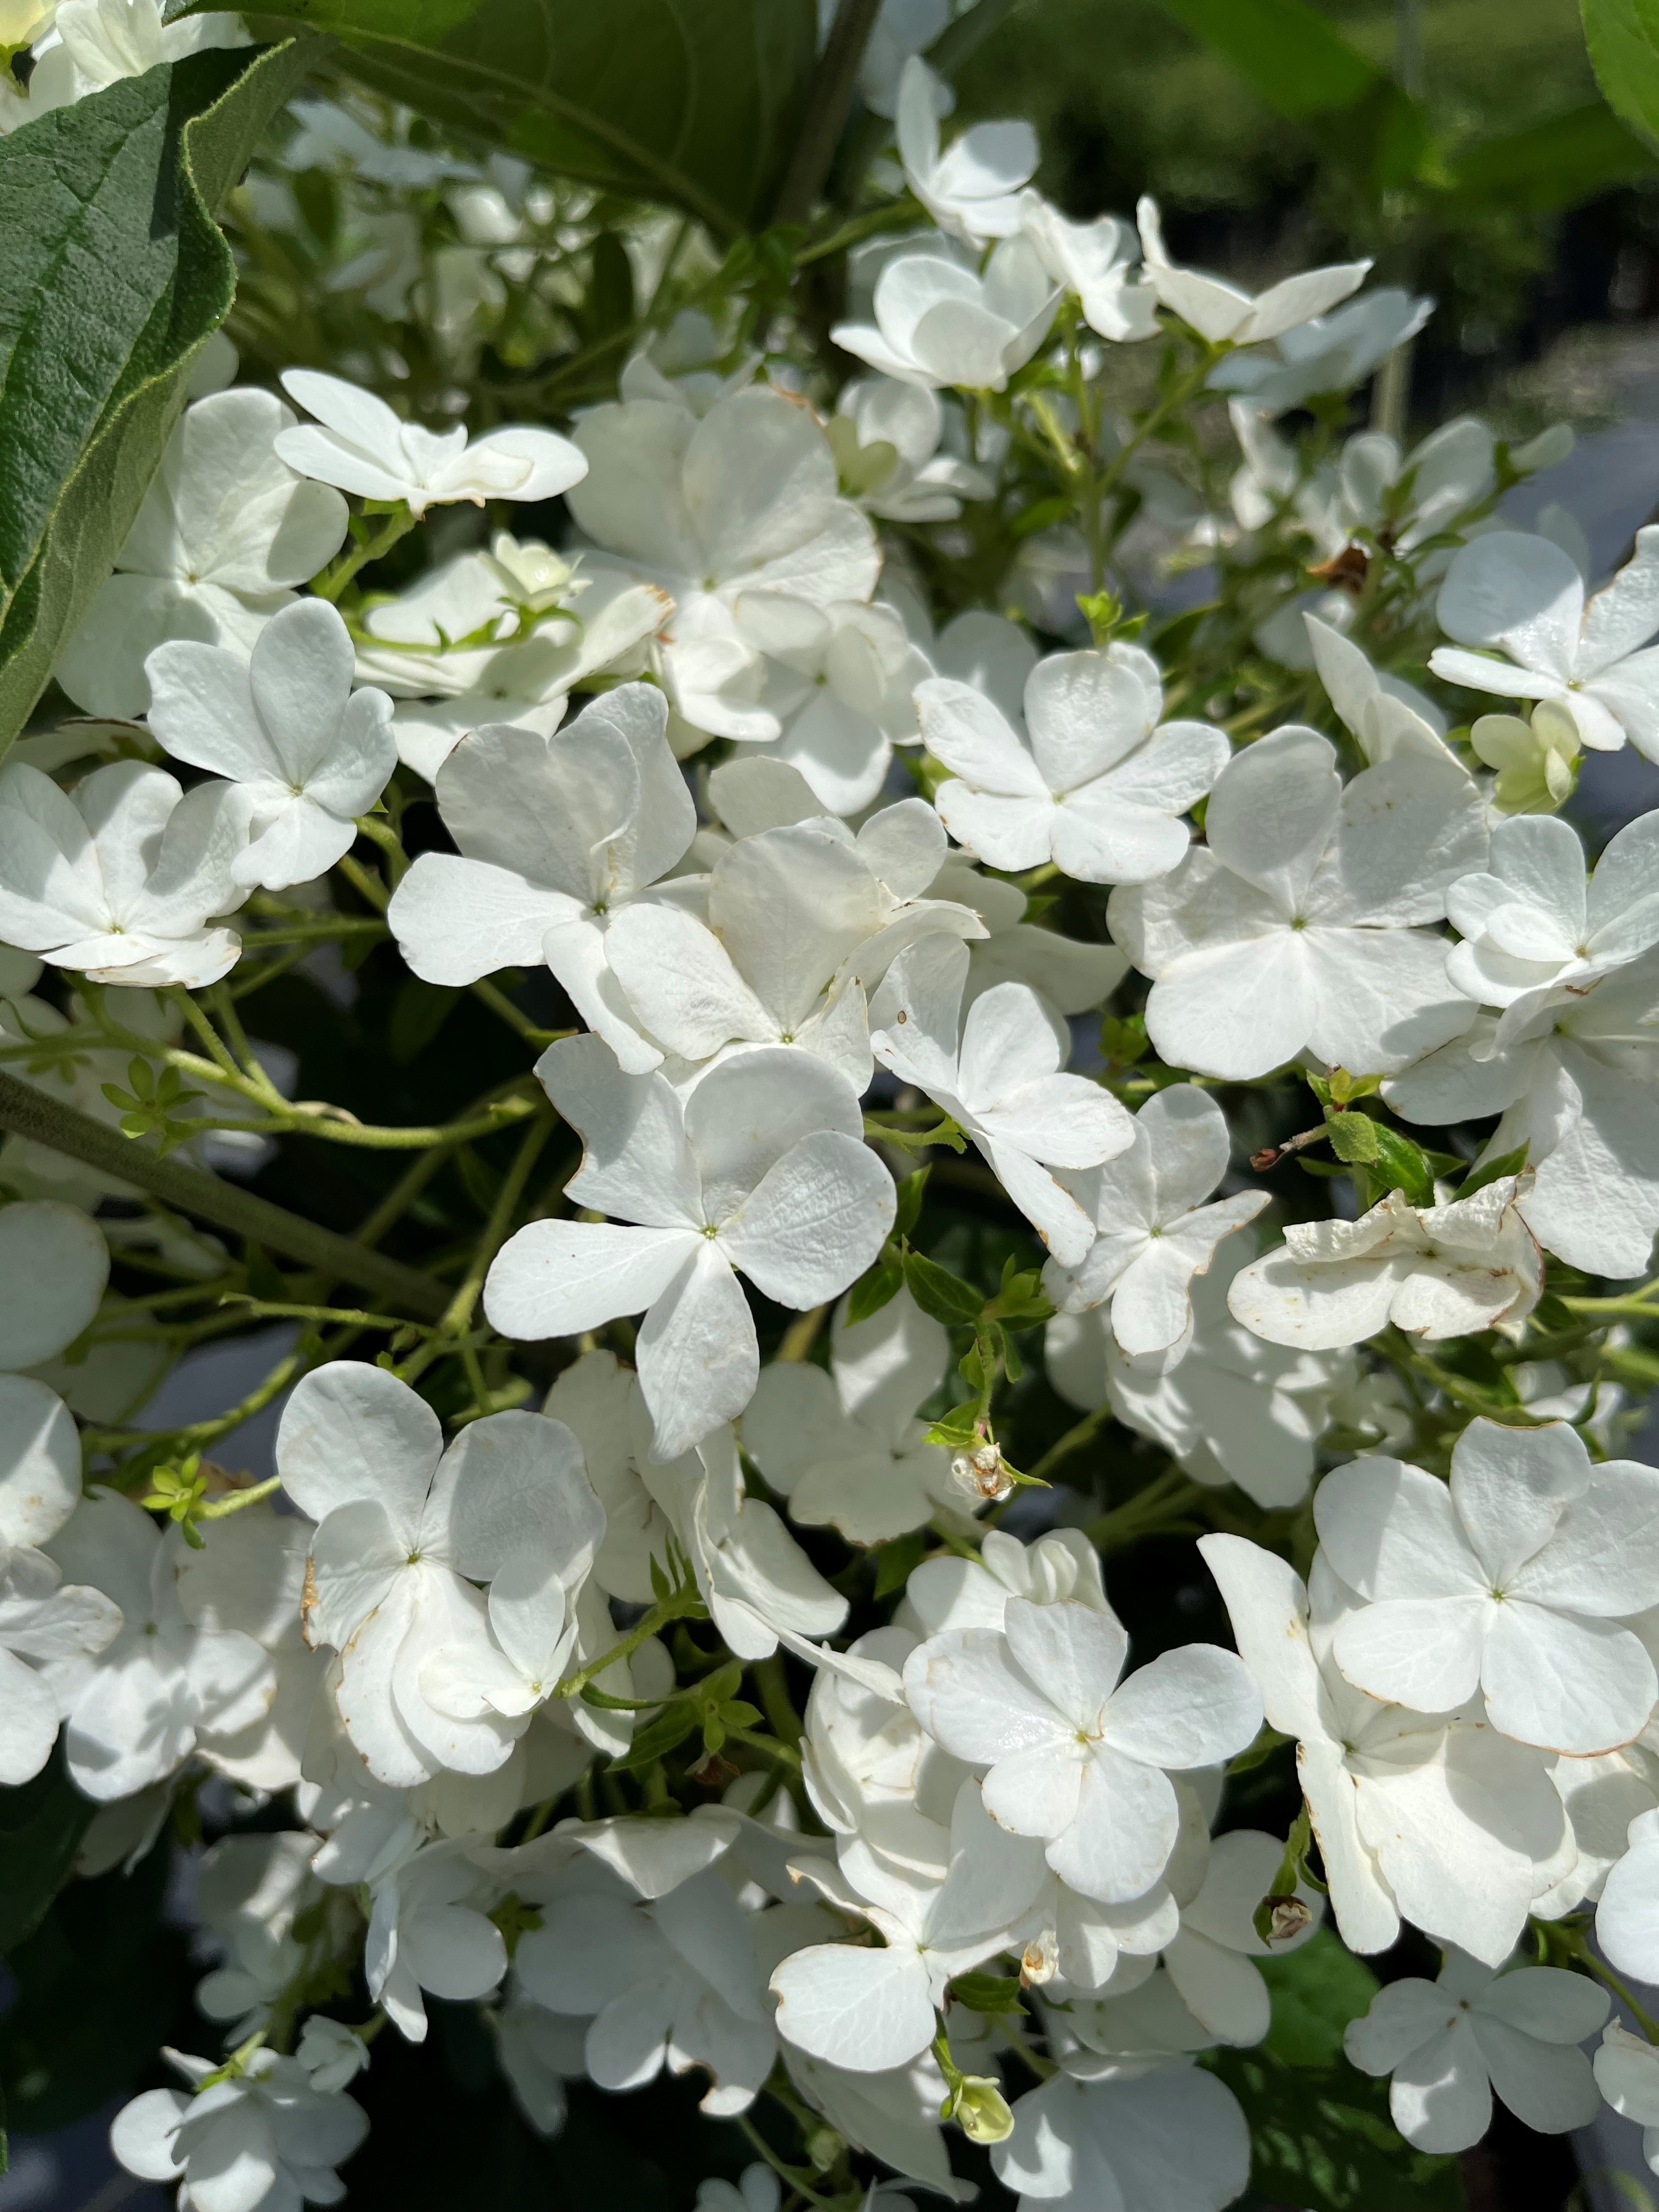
<point x="428" y="1931"/>
<point x="538" y="2052"/>
<point x="846" y="1448"/>
<point x="1575" y="1087"/>
<point x="1522" y="595"/>
<point x="1153" y="1232"/>
<point x="133" y="1712"/>
<point x="225" y="531"/>
<point x="401" y="1521"/>
<point x="973" y="190"/>
<point x="250" y="1576"/>
<point x="43" y="1623"/>
<point x="1627" y="1924"/>
<point x="1218" y="311"/>
<point x="1227" y="1406"/>
<point x="1071" y="1755"/>
<point x="868" y="2011"/>
<point x="956" y="1593"/>
<point x="251" y="1888"/>
<point x="1290" y="930"/>
<point x="838" y="680"/>
<point x="673" y="1977"/>
<point x="1418" y="494"/>
<point x="1096" y="784"/>
<point x="1071" y="975"/>
<point x="359" y="444"/>
<point x="1168" y="2139"/>
<point x="264" y="2138"/>
<point x="1449" y="2044"/>
<point x="1434" y="1271"/>
<point x="761" y="1168"/>
<point x="744" y="500"/>
<point x="1097" y="262"/>
<point x="796" y="916"/>
<point x="1533" y="927"/>
<point x="556" y="836"/>
<point x="1388" y="716"/>
<point x="445" y="688"/>
<point x="331" y="2053"/>
<point x="54" y="1265"/>
<point x="886" y="437"/>
<point x="121" y="878"/>
<point x="93" y="43"/>
<point x="679" y="366"/>
<point x="757" y="2191"/>
<point x="307" y="753"/>
<point x="1437" y="1819"/>
<point x="1626" y="2069"/>
<point x="937" y="322"/>
<point x="1328" y="353"/>
<point x="1001" y="1084"/>
<point x="1509" y="1581"/>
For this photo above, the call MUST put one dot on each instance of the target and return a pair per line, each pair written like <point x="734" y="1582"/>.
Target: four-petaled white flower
<point x="972" y="190"/>
<point x="358" y="443"/>
<point x="997" y="1076"/>
<point x="762" y="1169"/>
<point x="121" y="880"/>
<point x="1098" y="261"/>
<point x="1626" y="2070"/>
<point x="1328" y="353"/>
<point x="1095" y="785"/>
<point x="1293" y="929"/>
<point x="938" y="322"/>
<point x="1512" y="1580"/>
<point x="1626" y="1921"/>
<point x="1536" y="934"/>
<point x="1434" y="1271"/>
<point x="1524" y="596"/>
<point x="307" y="753"/>
<point x="1449" y="2044"/>
<point x="556" y="836"/>
<point x="404" y="1529"/>
<point x="1146" y="2136"/>
<point x="1153" y="1232"/>
<point x="264" y="2137"/>
<point x="886" y="437"/>
<point x="227" y="530"/>
<point x="1433" y="1818"/>
<point x="846" y="1448"/>
<point x="1072" y="1755"/>
<point x="1218" y="311"/>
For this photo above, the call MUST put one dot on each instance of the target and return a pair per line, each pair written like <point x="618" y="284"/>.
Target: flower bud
<point x="1287" y="1918"/>
<point x="981" y="2110"/>
<point x="981" y="1475"/>
<point x="1039" y="1962"/>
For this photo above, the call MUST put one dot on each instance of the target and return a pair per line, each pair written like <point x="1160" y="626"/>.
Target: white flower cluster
<point x="790" y="970"/>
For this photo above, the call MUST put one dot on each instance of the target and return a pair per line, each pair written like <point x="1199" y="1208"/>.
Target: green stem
<point x="784" y="1753"/>
<point x="332" y="582"/>
<point x="829" y="98"/>
<point x="1073" y="1440"/>
<point x="26" y="1112"/>
<point x="675" y="1607"/>
<point x="1186" y="388"/>
<point x="239" y="1500"/>
<point x="458" y="1312"/>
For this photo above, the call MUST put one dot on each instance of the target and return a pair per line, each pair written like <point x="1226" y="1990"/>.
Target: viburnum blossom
<point x="1520" y="595"/>
<point x="792" y="1200"/>
<point x="613" y="1346"/>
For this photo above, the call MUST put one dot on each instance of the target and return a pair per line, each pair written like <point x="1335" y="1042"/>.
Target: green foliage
<point x="1322" y="2139"/>
<point x="1623" y="37"/>
<point x="1553" y="164"/>
<point x="939" y="1292"/>
<point x="692" y="101"/>
<point x="41" y="1825"/>
<point x="101" y="1982"/>
<point x="1316" y="1992"/>
<point x="989" y="1995"/>
<point x="1287" y="51"/>
<point x="112" y="275"/>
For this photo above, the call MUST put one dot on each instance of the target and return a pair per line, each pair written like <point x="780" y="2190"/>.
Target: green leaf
<point x="875" y="1287"/>
<point x="912" y="1189"/>
<point x="957" y="1430"/>
<point x="656" y="1737"/>
<point x="896" y="1558"/>
<point x="41" y="1825"/>
<point x="1353" y="1136"/>
<point x="1553" y="164"/>
<point x="939" y="1292"/>
<point x="1316" y="1990"/>
<point x="695" y="101"/>
<point x="1323" y="2141"/>
<point x="1506" y="1164"/>
<point x="113" y="275"/>
<point x="1286" y="50"/>
<point x="988" y="1994"/>
<point x="1623" y="37"/>
<point x="1400" y="1166"/>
